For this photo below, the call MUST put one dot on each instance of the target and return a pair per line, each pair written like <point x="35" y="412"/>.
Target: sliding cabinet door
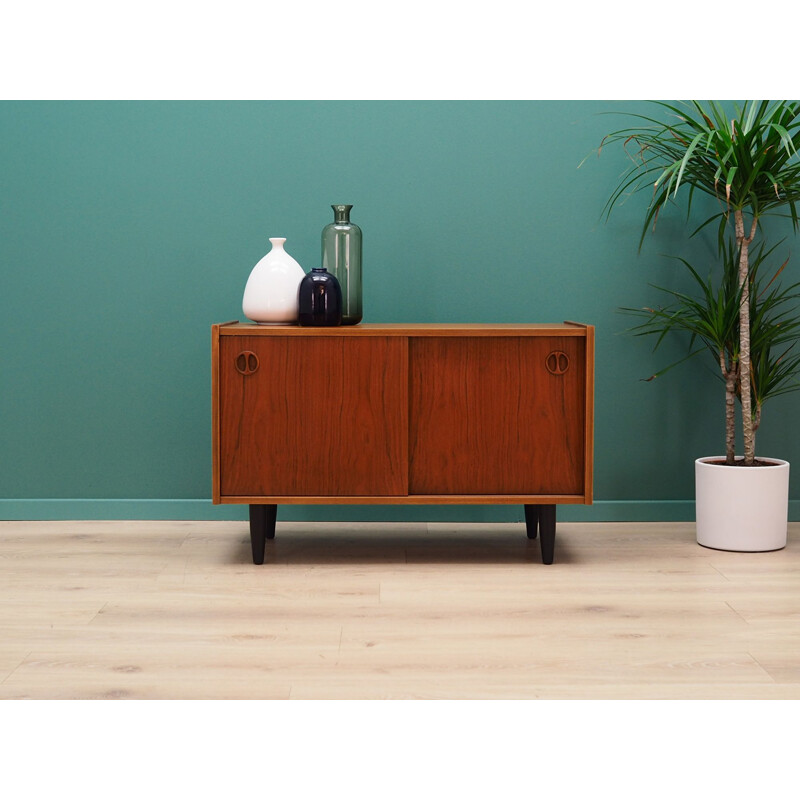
<point x="497" y="415"/>
<point x="313" y="415"/>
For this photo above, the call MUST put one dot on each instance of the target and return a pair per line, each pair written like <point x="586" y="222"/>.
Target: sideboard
<point x="403" y="413"/>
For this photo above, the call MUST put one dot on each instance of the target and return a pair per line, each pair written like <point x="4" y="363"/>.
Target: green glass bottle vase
<point x="341" y="256"/>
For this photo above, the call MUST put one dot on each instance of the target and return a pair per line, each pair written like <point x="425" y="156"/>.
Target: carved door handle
<point x="246" y="362"/>
<point x="557" y="362"/>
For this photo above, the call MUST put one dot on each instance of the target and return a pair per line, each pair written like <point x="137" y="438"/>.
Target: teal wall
<point x="128" y="228"/>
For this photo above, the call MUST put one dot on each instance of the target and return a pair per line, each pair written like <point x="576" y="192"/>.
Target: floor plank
<point x="171" y="610"/>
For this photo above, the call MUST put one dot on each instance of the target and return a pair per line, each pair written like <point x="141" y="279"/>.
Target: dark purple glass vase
<point x="320" y="299"/>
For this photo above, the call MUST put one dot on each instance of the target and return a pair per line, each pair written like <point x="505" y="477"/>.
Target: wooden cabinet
<point x="403" y="414"/>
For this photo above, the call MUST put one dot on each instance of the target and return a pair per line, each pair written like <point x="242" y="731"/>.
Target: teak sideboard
<point x="374" y="413"/>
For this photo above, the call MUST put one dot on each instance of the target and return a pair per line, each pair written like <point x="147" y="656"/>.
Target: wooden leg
<point x="547" y="531"/>
<point x="532" y="520"/>
<point x="262" y="527"/>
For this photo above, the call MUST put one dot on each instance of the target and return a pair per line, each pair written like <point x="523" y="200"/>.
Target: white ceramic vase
<point x="270" y="296"/>
<point x="742" y="508"/>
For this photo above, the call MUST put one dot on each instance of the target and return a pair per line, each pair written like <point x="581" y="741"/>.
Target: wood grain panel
<point x="487" y="417"/>
<point x="319" y="416"/>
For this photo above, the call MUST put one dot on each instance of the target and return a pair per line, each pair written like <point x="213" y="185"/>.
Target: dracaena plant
<point x="749" y="163"/>
<point x="710" y="315"/>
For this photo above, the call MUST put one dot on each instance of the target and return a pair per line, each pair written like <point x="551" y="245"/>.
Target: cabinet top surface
<point x="236" y="328"/>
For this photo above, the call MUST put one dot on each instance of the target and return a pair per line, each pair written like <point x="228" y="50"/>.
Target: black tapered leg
<point x="271" y="515"/>
<point x="532" y="520"/>
<point x="547" y="532"/>
<point x="262" y="527"/>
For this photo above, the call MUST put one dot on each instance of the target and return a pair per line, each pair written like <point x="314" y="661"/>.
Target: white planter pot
<point x="742" y="508"/>
<point x="270" y="296"/>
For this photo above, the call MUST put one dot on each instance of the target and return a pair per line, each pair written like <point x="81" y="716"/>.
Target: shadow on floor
<point x="384" y="544"/>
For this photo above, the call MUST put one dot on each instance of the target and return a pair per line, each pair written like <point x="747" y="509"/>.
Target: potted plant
<point x="737" y="510"/>
<point x="750" y="164"/>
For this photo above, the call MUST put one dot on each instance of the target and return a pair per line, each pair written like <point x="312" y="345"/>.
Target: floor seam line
<point x="736" y="612"/>
<point x="769" y="674"/>
<point x="719" y="573"/>
<point x="339" y="648"/>
<point x="16" y="668"/>
<point x="100" y="610"/>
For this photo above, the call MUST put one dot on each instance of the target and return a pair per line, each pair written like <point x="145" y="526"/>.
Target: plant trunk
<point x="730" y="412"/>
<point x="745" y="394"/>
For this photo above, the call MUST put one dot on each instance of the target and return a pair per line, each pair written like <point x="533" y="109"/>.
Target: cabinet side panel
<point x="589" y="480"/>
<point x="319" y="416"/>
<point x="215" y="493"/>
<point x="488" y="416"/>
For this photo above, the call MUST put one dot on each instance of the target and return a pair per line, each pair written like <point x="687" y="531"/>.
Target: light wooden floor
<point x="362" y="610"/>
